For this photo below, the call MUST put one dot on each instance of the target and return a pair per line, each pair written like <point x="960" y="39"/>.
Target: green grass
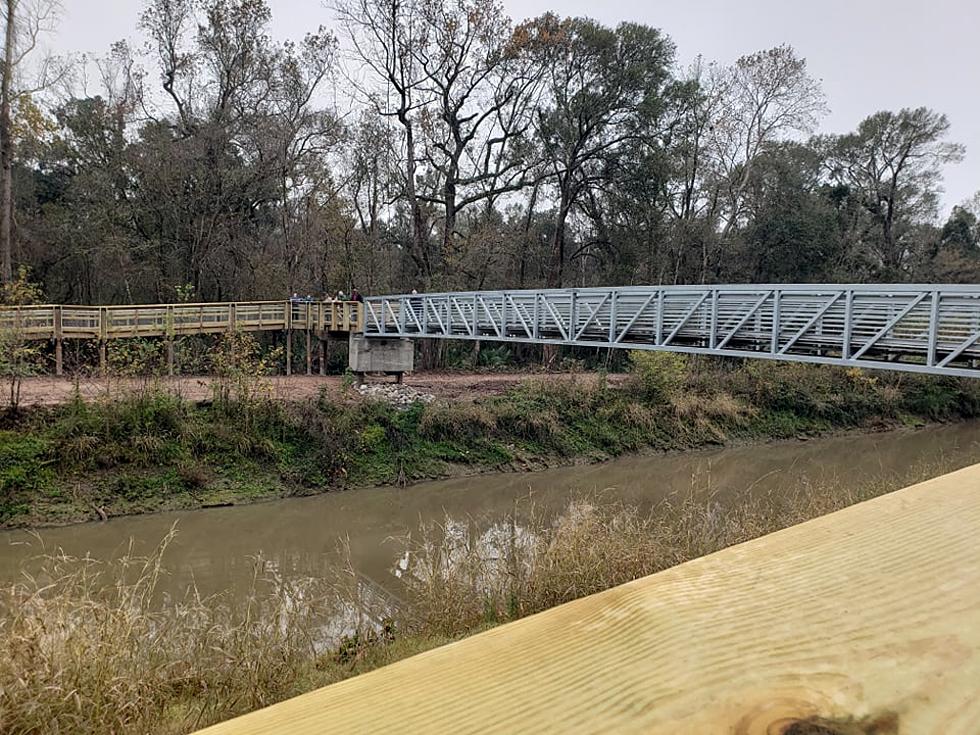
<point x="153" y="451"/>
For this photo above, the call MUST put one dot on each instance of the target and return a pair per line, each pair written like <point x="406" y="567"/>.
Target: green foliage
<point x="454" y="421"/>
<point x="658" y="375"/>
<point x="938" y="399"/>
<point x="153" y="450"/>
<point x="19" y="357"/>
<point x="239" y="364"/>
<point x="21" y="291"/>
<point x="24" y="467"/>
<point x="136" y="357"/>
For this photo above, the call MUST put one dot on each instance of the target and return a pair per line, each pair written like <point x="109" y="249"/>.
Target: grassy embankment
<point x="153" y="451"/>
<point x="90" y="649"/>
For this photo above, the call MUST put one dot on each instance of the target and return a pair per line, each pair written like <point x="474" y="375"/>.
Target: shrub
<point x="453" y="421"/>
<point x="657" y="376"/>
<point x="136" y="357"/>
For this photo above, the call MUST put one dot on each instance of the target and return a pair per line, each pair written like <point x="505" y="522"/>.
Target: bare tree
<point x="482" y="80"/>
<point x="765" y="96"/>
<point x="25" y="22"/>
<point x="383" y="37"/>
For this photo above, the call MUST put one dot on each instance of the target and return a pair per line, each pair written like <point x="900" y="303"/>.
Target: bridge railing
<point x="149" y="320"/>
<point x="928" y="328"/>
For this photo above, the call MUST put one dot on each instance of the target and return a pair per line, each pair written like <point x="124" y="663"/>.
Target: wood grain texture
<point x="868" y="617"/>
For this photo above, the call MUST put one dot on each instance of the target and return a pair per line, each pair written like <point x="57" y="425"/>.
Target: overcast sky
<point x="870" y="54"/>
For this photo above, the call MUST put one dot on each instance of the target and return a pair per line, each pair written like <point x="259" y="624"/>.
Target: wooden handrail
<point x="863" y="621"/>
<point x="162" y="320"/>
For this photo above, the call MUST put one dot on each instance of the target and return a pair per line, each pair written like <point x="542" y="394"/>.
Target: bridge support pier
<point x="170" y="357"/>
<point x="289" y="352"/>
<point x="322" y="355"/>
<point x="388" y="355"/>
<point x="103" y="367"/>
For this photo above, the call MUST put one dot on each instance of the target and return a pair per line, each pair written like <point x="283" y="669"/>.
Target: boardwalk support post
<point x="309" y="352"/>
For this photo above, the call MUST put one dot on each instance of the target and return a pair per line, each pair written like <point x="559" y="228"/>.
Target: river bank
<point x="152" y="449"/>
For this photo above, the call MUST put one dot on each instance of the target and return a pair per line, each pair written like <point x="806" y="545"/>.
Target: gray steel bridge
<point x="929" y="328"/>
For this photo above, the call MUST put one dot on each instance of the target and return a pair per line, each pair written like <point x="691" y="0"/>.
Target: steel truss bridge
<point x="920" y="328"/>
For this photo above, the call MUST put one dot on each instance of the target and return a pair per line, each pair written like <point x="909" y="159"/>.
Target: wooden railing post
<point x="287" y="328"/>
<point x="103" y="336"/>
<point x="58" y="346"/>
<point x="170" y="328"/>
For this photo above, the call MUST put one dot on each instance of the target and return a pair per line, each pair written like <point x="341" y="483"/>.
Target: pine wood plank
<point x="869" y="616"/>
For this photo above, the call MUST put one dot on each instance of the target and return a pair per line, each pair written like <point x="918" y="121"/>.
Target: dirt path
<point x="462" y="386"/>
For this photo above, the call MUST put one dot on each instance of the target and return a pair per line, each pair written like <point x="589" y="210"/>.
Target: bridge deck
<point x="924" y="328"/>
<point x="869" y="616"/>
<point x="161" y="320"/>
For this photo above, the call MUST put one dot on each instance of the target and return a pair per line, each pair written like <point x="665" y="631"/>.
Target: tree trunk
<point x="6" y="151"/>
<point x="418" y="234"/>
<point x="556" y="272"/>
<point x="449" y="231"/>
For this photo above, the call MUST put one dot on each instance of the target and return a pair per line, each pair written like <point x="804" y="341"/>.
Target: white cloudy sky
<point x="870" y="54"/>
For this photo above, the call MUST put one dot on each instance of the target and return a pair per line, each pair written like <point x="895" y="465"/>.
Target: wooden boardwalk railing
<point x="57" y="322"/>
<point x="162" y="320"/>
<point x="863" y="621"/>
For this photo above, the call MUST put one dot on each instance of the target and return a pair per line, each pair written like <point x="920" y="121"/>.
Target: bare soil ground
<point x="457" y="386"/>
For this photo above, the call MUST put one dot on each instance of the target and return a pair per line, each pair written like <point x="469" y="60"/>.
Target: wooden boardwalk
<point x="168" y="320"/>
<point x="864" y="621"/>
<point x="102" y="323"/>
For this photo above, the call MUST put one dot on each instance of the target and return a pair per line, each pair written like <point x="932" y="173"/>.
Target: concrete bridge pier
<point x="388" y="355"/>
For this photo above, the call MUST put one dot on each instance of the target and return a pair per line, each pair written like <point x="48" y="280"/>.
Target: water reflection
<point x="365" y="536"/>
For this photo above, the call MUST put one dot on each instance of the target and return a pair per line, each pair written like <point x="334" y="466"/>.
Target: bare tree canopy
<point x="437" y="144"/>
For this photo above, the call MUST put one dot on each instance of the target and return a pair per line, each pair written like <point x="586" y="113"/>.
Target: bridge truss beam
<point x="919" y="328"/>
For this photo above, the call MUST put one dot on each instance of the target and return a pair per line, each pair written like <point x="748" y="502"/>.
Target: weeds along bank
<point x="152" y="450"/>
<point x="89" y="648"/>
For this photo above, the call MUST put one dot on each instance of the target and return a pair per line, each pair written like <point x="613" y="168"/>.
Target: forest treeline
<point x="437" y="144"/>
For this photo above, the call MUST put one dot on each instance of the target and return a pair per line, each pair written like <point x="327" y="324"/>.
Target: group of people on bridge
<point x="355" y="295"/>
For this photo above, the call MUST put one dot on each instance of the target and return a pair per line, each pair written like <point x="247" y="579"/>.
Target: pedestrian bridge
<point x="930" y="328"/>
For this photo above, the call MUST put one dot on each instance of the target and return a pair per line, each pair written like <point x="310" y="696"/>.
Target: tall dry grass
<point x="461" y="575"/>
<point x="89" y="647"/>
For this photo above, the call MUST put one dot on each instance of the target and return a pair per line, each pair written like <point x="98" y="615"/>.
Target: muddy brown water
<point x="301" y="537"/>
